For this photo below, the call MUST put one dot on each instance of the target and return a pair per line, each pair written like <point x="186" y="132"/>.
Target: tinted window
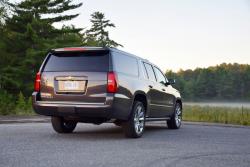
<point x="149" y="71"/>
<point x="125" y="64"/>
<point x="82" y="61"/>
<point x="160" y="77"/>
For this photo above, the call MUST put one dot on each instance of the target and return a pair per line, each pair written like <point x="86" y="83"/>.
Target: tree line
<point x="223" y="82"/>
<point x="27" y="33"/>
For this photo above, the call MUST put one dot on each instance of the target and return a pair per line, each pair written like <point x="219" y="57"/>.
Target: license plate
<point x="71" y="85"/>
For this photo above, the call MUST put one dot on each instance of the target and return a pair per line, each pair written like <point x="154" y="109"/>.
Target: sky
<point x="176" y="34"/>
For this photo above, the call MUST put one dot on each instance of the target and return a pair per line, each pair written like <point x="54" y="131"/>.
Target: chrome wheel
<point x="139" y="120"/>
<point x="178" y="116"/>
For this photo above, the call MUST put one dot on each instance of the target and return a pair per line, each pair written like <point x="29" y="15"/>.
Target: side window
<point x="160" y="77"/>
<point x="125" y="64"/>
<point x="149" y="71"/>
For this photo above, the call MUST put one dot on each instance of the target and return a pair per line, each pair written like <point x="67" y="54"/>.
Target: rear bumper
<point x="52" y="108"/>
<point x="115" y="107"/>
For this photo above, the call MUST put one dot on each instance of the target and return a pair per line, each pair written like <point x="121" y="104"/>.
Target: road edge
<point x="46" y="119"/>
<point x="23" y="119"/>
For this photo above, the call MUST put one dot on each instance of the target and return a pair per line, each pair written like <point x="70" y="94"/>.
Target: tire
<point x="62" y="126"/>
<point x="176" y="118"/>
<point x="135" y="125"/>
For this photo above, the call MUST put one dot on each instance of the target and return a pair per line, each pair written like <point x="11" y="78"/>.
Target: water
<point x="220" y="104"/>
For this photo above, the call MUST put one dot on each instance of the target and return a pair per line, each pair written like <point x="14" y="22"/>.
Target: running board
<point x="158" y="119"/>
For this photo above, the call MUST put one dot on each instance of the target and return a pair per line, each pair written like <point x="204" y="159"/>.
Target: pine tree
<point x="30" y="34"/>
<point x="3" y="8"/>
<point x="97" y="35"/>
<point x="29" y="15"/>
<point x="2" y="12"/>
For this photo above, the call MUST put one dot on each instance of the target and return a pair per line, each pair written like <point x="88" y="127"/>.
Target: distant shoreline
<point x="219" y="104"/>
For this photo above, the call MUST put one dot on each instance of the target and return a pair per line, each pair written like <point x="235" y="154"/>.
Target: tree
<point x="97" y="35"/>
<point x="4" y="5"/>
<point x="29" y="21"/>
<point x="30" y="34"/>
<point x="222" y="82"/>
<point x="2" y="12"/>
<point x="4" y="55"/>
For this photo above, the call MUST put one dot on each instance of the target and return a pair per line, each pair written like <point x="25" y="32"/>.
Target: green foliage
<point x="222" y="82"/>
<point x="238" y="116"/>
<point x="97" y="35"/>
<point x="6" y="103"/>
<point x="23" y="106"/>
<point x="29" y="104"/>
<point x="9" y="105"/>
<point x="28" y="35"/>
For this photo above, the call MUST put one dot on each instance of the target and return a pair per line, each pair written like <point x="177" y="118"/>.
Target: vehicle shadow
<point x="107" y="132"/>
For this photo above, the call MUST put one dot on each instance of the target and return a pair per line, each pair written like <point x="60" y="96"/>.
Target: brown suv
<point x="97" y="85"/>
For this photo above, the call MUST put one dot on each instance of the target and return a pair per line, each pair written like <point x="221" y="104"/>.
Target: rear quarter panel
<point x="128" y="86"/>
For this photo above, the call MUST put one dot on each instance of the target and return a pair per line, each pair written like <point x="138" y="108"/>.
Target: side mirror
<point x="170" y="82"/>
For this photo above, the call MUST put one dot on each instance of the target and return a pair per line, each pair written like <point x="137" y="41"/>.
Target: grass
<point x="226" y="115"/>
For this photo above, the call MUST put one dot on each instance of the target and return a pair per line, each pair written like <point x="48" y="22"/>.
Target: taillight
<point x="112" y="83"/>
<point x="37" y="82"/>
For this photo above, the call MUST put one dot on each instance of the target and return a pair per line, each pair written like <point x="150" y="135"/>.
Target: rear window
<point x="125" y="64"/>
<point x="78" y="61"/>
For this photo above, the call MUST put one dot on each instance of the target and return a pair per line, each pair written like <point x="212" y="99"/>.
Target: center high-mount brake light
<point x="37" y="82"/>
<point x="112" y="83"/>
<point x="74" y="49"/>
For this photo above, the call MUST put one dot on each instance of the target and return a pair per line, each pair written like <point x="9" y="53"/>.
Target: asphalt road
<point x="36" y="144"/>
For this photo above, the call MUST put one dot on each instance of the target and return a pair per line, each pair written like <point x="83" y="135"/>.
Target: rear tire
<point x="135" y="126"/>
<point x="62" y="126"/>
<point x="176" y="118"/>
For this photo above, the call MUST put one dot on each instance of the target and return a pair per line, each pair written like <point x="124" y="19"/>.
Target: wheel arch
<point x="142" y="97"/>
<point x="178" y="100"/>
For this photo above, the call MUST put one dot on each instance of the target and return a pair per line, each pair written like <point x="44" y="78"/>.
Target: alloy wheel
<point x="178" y="116"/>
<point x="139" y="120"/>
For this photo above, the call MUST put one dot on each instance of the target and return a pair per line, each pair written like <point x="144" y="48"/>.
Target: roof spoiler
<point x="78" y="49"/>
